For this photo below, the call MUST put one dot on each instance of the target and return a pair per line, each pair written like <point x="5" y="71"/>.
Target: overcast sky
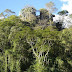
<point x="17" y="5"/>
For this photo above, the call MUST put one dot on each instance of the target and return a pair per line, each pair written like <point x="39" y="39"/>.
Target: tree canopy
<point x="30" y="46"/>
<point x="64" y="12"/>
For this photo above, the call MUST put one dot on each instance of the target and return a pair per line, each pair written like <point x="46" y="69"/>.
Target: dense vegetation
<point x="34" y="45"/>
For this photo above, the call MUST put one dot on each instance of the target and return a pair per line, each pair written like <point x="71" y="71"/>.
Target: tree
<point x="28" y="13"/>
<point x="26" y="49"/>
<point x="51" y="8"/>
<point x="64" y="12"/>
<point x="44" y="14"/>
<point x="2" y="15"/>
<point x="6" y="13"/>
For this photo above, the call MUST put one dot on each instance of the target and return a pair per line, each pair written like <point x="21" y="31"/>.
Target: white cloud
<point x="57" y="18"/>
<point x="67" y="5"/>
<point x="67" y="21"/>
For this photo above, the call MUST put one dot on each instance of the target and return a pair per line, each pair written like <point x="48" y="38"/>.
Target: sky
<point x="17" y="5"/>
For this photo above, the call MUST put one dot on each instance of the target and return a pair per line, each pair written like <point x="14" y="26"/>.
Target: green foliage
<point x="64" y="12"/>
<point x="24" y="48"/>
<point x="28" y="14"/>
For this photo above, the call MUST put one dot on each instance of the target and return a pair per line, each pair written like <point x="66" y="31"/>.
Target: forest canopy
<point x="30" y="43"/>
